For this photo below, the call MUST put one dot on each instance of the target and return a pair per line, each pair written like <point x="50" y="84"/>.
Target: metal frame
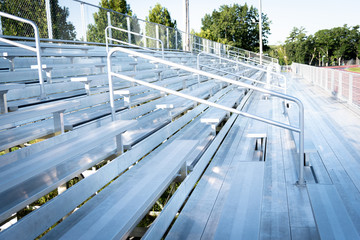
<point x="133" y="45"/>
<point x="244" y="64"/>
<point x="36" y="49"/>
<point x="299" y="129"/>
<point x="237" y="75"/>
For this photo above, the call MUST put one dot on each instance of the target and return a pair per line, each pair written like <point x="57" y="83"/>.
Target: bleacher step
<point x="332" y="218"/>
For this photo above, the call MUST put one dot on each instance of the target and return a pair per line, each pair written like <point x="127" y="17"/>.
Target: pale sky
<point x="284" y="14"/>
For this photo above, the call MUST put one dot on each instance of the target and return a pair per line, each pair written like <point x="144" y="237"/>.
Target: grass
<point x="356" y="69"/>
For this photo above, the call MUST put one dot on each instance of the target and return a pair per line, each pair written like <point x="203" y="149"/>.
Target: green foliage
<point x="96" y="31"/>
<point x="161" y="15"/>
<point x="236" y="25"/>
<point x="36" y="11"/>
<point x="325" y="47"/>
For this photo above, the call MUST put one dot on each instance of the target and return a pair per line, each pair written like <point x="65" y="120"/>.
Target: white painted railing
<point x="299" y="129"/>
<point x="341" y="84"/>
<point x="33" y="49"/>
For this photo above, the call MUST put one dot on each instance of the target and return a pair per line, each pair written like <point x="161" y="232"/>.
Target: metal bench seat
<point x="137" y="196"/>
<point x="219" y="191"/>
<point x="22" y="182"/>
<point x="74" y="196"/>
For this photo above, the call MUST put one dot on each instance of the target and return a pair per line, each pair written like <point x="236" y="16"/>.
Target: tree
<point x="236" y="25"/>
<point x="96" y="31"/>
<point x="298" y="46"/>
<point x="36" y="11"/>
<point x="326" y="46"/>
<point x="161" y="15"/>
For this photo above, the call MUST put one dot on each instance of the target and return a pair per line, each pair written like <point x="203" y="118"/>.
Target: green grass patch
<point x="356" y="69"/>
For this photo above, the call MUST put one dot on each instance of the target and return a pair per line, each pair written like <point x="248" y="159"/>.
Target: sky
<point x="313" y="15"/>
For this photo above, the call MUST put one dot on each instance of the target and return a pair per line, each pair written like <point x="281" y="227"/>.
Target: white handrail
<point x="237" y="75"/>
<point x="244" y="64"/>
<point x="299" y="129"/>
<point x="36" y="49"/>
<point x="134" y="45"/>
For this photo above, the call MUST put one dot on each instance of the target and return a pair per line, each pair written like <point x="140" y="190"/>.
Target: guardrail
<point x="36" y="49"/>
<point x="341" y="84"/>
<point x="127" y="43"/>
<point x="299" y="129"/>
<point x="246" y="65"/>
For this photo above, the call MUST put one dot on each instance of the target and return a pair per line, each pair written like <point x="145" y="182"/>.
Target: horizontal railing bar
<point x="128" y="31"/>
<point x="200" y="100"/>
<point x="37" y="48"/>
<point x="244" y="64"/>
<point x="18" y="44"/>
<point x="237" y="75"/>
<point x="299" y="129"/>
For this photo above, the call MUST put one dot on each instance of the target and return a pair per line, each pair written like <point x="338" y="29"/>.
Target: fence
<point x="341" y="84"/>
<point x="82" y="21"/>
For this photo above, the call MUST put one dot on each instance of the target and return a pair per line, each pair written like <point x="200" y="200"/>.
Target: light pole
<point x="260" y="32"/>
<point x="187" y="25"/>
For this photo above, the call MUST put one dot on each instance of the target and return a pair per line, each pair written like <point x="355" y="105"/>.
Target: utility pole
<point x="187" y="25"/>
<point x="260" y="32"/>
<point x="48" y="19"/>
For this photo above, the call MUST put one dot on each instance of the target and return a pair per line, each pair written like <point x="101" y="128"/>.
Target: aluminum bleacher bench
<point x="47" y="215"/>
<point x="136" y="195"/>
<point x="231" y="188"/>
<point x="26" y="180"/>
<point x="24" y="125"/>
<point x="28" y="96"/>
<point x="14" y="119"/>
<point x="4" y="88"/>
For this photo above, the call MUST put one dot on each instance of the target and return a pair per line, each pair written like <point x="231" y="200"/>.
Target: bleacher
<point x="126" y="159"/>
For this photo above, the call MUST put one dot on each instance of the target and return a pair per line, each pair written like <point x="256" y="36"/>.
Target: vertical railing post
<point x="301" y="180"/>
<point x="176" y="39"/>
<point x="321" y="77"/>
<point x="38" y="58"/>
<point x="340" y="85"/>
<point x="332" y="81"/>
<point x="1" y="30"/>
<point x="327" y="80"/>
<point x="167" y="38"/>
<point x="111" y="88"/>
<point x="129" y="29"/>
<point x="109" y="24"/>
<point x="157" y="35"/>
<point x="48" y="19"/>
<point x="83" y="22"/>
<point x="350" y="89"/>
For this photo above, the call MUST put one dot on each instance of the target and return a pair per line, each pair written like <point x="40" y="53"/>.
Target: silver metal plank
<point x="161" y="223"/>
<point x="193" y="219"/>
<point x="331" y="216"/>
<point x="136" y="190"/>
<point x="240" y="217"/>
<point x="349" y="194"/>
<point x="23" y="183"/>
<point x="275" y="222"/>
<point x="33" y="224"/>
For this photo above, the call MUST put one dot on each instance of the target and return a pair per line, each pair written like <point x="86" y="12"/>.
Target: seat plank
<point x="331" y="216"/>
<point x="240" y="216"/>
<point x="136" y="195"/>
<point x="22" y="182"/>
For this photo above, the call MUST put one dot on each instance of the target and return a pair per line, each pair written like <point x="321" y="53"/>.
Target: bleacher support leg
<point x="59" y="122"/>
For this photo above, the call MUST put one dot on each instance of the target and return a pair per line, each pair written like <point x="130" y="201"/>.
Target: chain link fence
<point x="34" y="10"/>
<point x="81" y="21"/>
